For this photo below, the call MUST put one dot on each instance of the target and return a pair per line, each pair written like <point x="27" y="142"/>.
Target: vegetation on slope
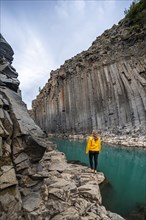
<point x="136" y="14"/>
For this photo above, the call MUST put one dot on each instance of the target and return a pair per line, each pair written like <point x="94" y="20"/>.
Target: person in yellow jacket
<point x="93" y="148"/>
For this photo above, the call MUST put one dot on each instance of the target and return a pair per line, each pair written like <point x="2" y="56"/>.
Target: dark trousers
<point x="93" y="155"/>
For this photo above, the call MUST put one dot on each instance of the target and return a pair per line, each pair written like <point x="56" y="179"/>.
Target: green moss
<point x="134" y="28"/>
<point x="136" y="14"/>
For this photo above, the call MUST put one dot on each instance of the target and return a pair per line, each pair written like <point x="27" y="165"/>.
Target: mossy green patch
<point x="136" y="14"/>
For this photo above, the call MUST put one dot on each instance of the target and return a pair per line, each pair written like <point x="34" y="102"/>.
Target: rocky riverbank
<point x="68" y="192"/>
<point x="111" y="139"/>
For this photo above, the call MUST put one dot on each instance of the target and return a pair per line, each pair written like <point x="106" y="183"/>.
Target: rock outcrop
<point x="36" y="182"/>
<point x="102" y="88"/>
<point x="22" y="142"/>
<point x="8" y="75"/>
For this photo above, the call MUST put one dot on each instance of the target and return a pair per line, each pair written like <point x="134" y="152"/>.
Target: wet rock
<point x="138" y="213"/>
<point x="114" y="216"/>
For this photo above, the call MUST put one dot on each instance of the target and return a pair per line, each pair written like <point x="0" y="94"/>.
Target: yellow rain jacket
<point x="93" y="145"/>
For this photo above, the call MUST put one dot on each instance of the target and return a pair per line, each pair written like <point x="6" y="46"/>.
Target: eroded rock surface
<point x="68" y="193"/>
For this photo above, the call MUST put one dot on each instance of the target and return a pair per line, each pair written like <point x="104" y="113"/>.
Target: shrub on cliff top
<point x="136" y="14"/>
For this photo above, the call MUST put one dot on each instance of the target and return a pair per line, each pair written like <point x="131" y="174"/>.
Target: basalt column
<point x="107" y="97"/>
<point x="103" y="88"/>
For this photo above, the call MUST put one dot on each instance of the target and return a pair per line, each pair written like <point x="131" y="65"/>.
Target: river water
<point x="124" y="168"/>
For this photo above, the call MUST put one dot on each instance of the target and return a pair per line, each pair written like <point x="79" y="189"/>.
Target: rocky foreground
<point x="69" y="191"/>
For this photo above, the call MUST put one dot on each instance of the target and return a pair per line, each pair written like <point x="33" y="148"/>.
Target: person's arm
<point x="99" y="144"/>
<point x="88" y="145"/>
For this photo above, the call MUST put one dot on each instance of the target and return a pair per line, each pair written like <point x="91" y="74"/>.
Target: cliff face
<point x="8" y="75"/>
<point x="103" y="87"/>
<point x="20" y="137"/>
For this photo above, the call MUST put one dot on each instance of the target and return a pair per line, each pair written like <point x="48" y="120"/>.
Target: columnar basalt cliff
<point x="36" y="182"/>
<point x="103" y="87"/>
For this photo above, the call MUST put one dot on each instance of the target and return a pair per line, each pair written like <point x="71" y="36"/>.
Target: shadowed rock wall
<point x="103" y="87"/>
<point x="22" y="142"/>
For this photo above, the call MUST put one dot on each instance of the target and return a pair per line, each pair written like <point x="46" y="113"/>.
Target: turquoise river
<point x="124" y="168"/>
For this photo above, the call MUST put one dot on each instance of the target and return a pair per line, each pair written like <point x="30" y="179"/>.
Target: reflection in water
<point x="124" y="169"/>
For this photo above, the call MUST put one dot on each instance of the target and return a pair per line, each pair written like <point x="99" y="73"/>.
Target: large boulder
<point x="8" y="74"/>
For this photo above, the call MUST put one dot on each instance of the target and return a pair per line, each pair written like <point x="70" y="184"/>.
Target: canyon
<point x="102" y="88"/>
<point x="36" y="181"/>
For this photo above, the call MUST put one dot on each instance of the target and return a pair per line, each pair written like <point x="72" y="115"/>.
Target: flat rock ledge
<point x="68" y="192"/>
<point x="126" y="141"/>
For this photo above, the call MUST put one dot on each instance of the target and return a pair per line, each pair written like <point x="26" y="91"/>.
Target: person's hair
<point x="94" y="133"/>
